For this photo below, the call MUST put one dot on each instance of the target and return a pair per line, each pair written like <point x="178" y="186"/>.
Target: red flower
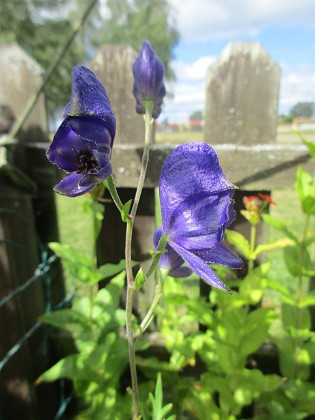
<point x="267" y="198"/>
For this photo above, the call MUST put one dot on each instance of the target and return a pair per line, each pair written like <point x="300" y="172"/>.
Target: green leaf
<point x="310" y="145"/>
<point x="77" y="263"/>
<point x="297" y="260"/>
<point x="109" y="270"/>
<point x="277" y="224"/>
<point x="276" y="285"/>
<point x="239" y="241"/>
<point x="140" y="279"/>
<point x="125" y="211"/>
<point x="68" y="319"/>
<point x="281" y="243"/>
<point x="159" y="412"/>
<point x="71" y="367"/>
<point x="305" y="188"/>
<point x="252" y="286"/>
<point x="255" y="330"/>
<point x="308" y="300"/>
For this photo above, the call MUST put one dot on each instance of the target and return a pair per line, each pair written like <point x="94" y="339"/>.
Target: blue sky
<point x="284" y="28"/>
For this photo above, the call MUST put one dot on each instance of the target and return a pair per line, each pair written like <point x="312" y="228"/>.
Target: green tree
<point x="133" y="21"/>
<point x="37" y="27"/>
<point x="303" y="109"/>
<point x="196" y="116"/>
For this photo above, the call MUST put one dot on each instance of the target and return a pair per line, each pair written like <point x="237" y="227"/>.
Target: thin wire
<point x="39" y="272"/>
<point x="19" y="344"/>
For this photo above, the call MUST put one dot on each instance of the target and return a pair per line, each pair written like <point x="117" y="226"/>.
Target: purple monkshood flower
<point x="148" y="73"/>
<point x="83" y="143"/>
<point x="197" y="207"/>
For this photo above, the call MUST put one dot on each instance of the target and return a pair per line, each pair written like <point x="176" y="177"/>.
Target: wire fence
<point x="42" y="273"/>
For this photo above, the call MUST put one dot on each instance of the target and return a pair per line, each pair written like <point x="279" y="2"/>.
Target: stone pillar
<point x="242" y="94"/>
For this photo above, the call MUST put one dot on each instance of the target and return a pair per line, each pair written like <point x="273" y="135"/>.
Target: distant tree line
<point x="299" y="110"/>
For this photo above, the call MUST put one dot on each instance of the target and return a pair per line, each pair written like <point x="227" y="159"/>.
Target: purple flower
<point x="148" y="72"/>
<point x="83" y="143"/>
<point x="197" y="207"/>
<point x="170" y="259"/>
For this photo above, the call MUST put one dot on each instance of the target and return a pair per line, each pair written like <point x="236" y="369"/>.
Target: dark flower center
<point x="86" y="162"/>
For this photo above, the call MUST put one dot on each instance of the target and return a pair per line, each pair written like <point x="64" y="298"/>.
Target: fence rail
<point x="250" y="167"/>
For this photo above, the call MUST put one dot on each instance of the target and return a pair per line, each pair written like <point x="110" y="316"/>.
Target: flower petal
<point x="198" y="266"/>
<point x="220" y="256"/>
<point x="62" y="149"/>
<point x="192" y="169"/>
<point x="89" y="98"/>
<point x="180" y="272"/>
<point x="97" y="177"/>
<point x="91" y="129"/>
<point x="169" y="259"/>
<point x="71" y="187"/>
<point x="200" y="221"/>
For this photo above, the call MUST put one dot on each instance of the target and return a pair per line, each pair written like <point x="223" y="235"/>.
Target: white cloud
<point x="297" y="85"/>
<point x="189" y="89"/>
<point x="205" y="19"/>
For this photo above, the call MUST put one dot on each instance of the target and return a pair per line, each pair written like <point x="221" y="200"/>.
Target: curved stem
<point x="149" y="125"/>
<point x="252" y="246"/>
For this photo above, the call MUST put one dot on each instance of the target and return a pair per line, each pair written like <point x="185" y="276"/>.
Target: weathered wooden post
<point x="28" y="217"/>
<point x="113" y="66"/>
<point x="242" y="93"/>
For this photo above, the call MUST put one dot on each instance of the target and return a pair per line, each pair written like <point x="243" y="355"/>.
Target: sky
<point x="284" y="28"/>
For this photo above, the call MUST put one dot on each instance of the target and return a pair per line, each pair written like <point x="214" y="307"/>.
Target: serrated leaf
<point x="125" y="211"/>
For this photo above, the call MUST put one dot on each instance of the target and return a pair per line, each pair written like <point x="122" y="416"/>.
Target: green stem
<point x="132" y="353"/>
<point x="149" y="315"/>
<point x="252" y="246"/>
<point x="149" y="125"/>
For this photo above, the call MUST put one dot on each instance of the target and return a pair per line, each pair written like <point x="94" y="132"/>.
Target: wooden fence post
<point x="113" y="66"/>
<point x="32" y="220"/>
<point x="242" y="93"/>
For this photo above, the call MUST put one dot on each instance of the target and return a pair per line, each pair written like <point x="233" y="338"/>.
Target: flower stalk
<point x="149" y="132"/>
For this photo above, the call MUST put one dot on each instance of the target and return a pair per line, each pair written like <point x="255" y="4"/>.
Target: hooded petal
<point x="199" y="222"/>
<point x="71" y="187"/>
<point x="191" y="170"/>
<point x="89" y="98"/>
<point x="199" y="266"/>
<point x="91" y="129"/>
<point x="220" y="256"/>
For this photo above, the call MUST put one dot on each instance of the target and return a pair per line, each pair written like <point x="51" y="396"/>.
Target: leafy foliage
<point x="132" y="21"/>
<point x="40" y="27"/>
